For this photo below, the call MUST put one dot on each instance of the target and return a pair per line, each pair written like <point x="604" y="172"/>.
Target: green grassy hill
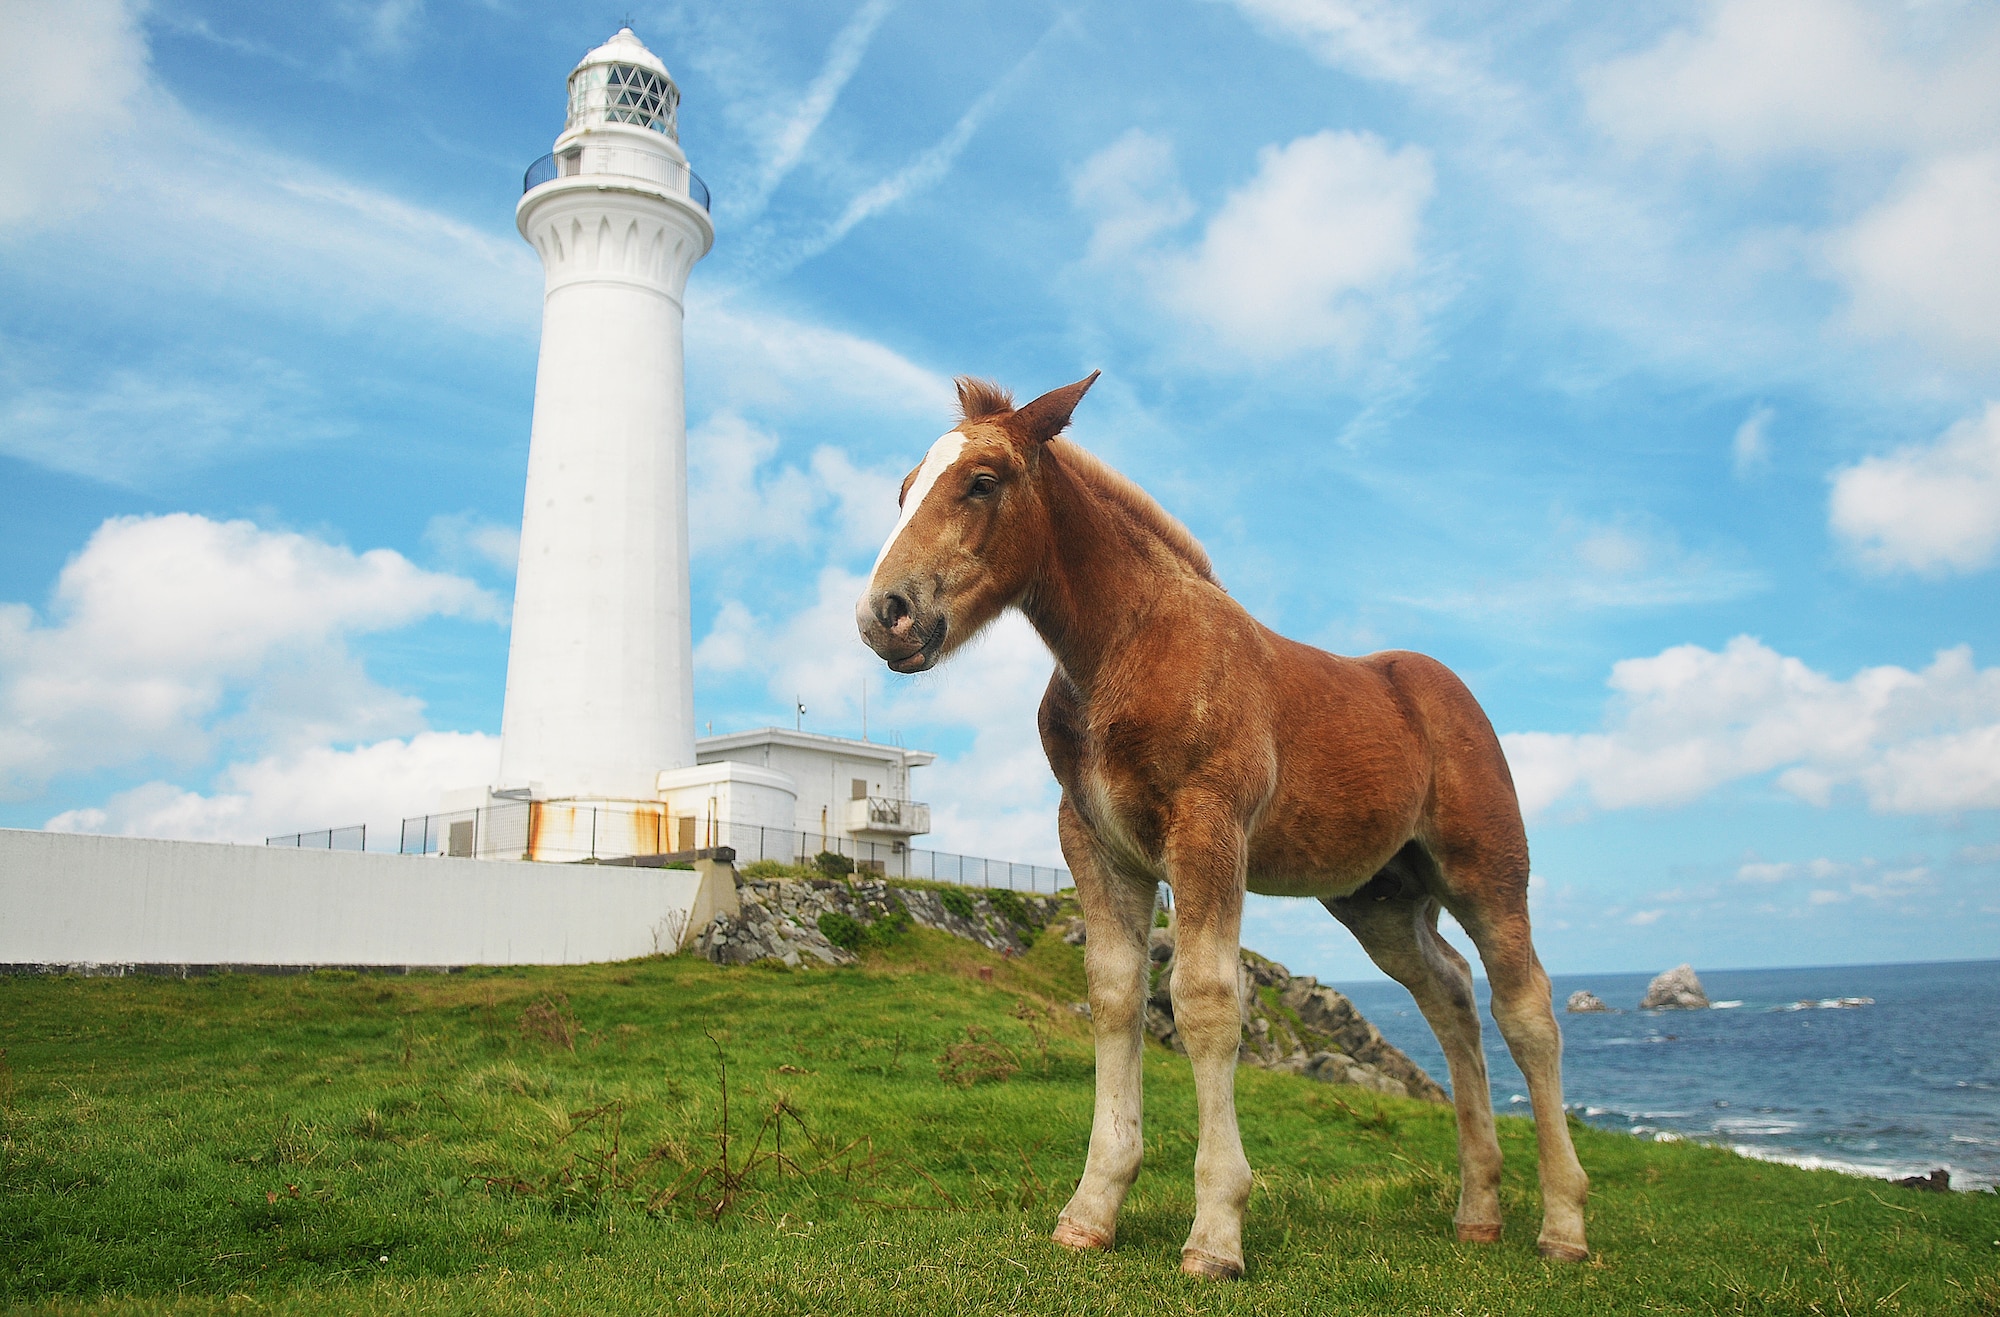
<point x="901" y="1134"/>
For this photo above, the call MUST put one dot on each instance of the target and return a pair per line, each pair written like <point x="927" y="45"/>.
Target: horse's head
<point x="972" y="528"/>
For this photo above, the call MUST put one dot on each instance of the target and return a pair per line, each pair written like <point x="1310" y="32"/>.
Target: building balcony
<point x="903" y="818"/>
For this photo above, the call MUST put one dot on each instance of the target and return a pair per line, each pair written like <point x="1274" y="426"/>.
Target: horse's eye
<point x="983" y="485"/>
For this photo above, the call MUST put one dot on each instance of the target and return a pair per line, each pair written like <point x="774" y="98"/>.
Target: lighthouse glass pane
<point x="623" y="93"/>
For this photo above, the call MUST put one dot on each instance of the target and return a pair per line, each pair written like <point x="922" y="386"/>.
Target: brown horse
<point x="1198" y="748"/>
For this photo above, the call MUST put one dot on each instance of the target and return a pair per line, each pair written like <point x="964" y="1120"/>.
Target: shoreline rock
<point x="1676" y="990"/>
<point x="779" y="919"/>
<point x="1584" y="1002"/>
<point x="1309" y="1029"/>
<point x="1937" y="1182"/>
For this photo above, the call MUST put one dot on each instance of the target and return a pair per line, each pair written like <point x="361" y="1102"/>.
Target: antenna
<point x="799" y="722"/>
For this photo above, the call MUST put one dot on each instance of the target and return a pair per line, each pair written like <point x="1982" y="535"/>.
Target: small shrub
<point x="550" y="1022"/>
<point x="1011" y="908"/>
<point x="892" y="925"/>
<point x="844" y="931"/>
<point x="978" y="1058"/>
<point x="957" y="902"/>
<point x="850" y="934"/>
<point x="1160" y="919"/>
<point x="770" y="870"/>
<point x="832" y="864"/>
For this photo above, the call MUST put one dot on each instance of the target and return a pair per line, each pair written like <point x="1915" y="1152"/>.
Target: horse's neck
<point x="1098" y="580"/>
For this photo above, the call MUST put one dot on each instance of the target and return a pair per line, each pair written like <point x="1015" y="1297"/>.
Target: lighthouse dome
<point x="623" y="82"/>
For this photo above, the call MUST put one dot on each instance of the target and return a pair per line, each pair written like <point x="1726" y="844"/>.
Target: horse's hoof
<point x="1479" y="1234"/>
<point x="1557" y="1251"/>
<point x="1071" y="1235"/>
<point x="1209" y="1268"/>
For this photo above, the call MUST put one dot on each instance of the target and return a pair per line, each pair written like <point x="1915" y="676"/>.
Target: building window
<point x="859" y="786"/>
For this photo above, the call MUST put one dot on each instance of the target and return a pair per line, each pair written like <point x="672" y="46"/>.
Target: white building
<point x="841" y="790"/>
<point x="597" y="748"/>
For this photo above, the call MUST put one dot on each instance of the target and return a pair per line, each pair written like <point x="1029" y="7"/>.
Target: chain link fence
<point x="326" y="839"/>
<point x="560" y="832"/>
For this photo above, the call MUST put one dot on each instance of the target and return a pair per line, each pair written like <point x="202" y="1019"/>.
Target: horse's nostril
<point x="895" y="611"/>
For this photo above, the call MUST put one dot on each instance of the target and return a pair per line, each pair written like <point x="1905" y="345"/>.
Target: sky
<point x="1642" y="363"/>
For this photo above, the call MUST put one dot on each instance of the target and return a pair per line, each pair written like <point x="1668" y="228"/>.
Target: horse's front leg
<point x="1117" y="918"/>
<point x="1205" y="864"/>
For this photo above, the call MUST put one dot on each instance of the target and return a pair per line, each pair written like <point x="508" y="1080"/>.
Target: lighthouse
<point x="600" y="693"/>
<point x="597" y="750"/>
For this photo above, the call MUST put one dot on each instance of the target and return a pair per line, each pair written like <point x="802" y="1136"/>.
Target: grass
<point x="900" y="1136"/>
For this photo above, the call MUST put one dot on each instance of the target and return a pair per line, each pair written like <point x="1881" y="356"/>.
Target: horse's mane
<point x="1119" y="492"/>
<point x="979" y="399"/>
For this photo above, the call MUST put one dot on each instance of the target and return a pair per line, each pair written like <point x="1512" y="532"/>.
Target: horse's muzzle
<point x="891" y="626"/>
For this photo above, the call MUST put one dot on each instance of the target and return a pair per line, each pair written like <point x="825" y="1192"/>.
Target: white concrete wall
<point x="71" y="899"/>
<point x="731" y="792"/>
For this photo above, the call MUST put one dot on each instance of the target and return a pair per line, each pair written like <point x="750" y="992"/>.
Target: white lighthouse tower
<point x="600" y="695"/>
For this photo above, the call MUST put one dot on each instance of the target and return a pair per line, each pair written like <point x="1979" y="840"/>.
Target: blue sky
<point x="1643" y="365"/>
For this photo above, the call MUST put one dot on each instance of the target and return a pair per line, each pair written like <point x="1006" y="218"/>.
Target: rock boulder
<point x="1587" y="1003"/>
<point x="1676" y="990"/>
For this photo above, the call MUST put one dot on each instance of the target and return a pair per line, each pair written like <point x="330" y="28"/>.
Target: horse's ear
<point x="1048" y="416"/>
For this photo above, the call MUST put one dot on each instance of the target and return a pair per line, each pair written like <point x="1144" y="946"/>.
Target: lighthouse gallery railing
<point x="548" y="169"/>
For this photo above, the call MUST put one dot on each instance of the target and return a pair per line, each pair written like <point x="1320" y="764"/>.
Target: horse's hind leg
<point x="1525" y="1011"/>
<point x="1118" y="918"/>
<point x="1397" y="925"/>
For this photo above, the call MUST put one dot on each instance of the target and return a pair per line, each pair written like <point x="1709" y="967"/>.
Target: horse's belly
<point x="1320" y="883"/>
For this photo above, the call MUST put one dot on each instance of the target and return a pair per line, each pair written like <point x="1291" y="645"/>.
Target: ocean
<point x="1904" y="1084"/>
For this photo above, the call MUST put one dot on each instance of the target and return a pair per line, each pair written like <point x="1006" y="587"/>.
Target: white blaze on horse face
<point x="943" y="453"/>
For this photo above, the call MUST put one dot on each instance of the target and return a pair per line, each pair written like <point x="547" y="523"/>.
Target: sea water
<point x="1907" y="1082"/>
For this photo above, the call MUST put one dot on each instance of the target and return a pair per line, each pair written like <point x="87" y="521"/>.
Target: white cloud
<point x="1760" y="871"/>
<point x="126" y="425"/>
<point x="1627" y="562"/>
<point x="1928" y="508"/>
<point x="739" y="496"/>
<point x="1643" y="918"/>
<point x="465" y="537"/>
<point x="50" y="144"/>
<point x="1316" y="254"/>
<point x="168" y="201"/>
<point x="167" y="632"/>
<point x="377" y="785"/>
<point x="1132" y="192"/>
<point x="1690" y="720"/>
<point x="761" y="361"/>
<point x="1309" y="254"/>
<point x="1926" y="261"/>
<point x="997" y="798"/>
<point x="1377" y="40"/>
<point x="1853" y="85"/>
<point x="1750" y="450"/>
<point x="1758" y="79"/>
<point x="796" y="128"/>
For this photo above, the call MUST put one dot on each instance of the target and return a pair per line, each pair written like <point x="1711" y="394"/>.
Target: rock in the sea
<point x="1676" y="990"/>
<point x="1586" y="1003"/>
<point x="1937" y="1182"/>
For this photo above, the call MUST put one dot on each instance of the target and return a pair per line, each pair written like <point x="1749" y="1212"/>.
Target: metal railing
<point x="548" y="169"/>
<point x="558" y="832"/>
<point x="887" y="814"/>
<point x="326" y="839"/>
